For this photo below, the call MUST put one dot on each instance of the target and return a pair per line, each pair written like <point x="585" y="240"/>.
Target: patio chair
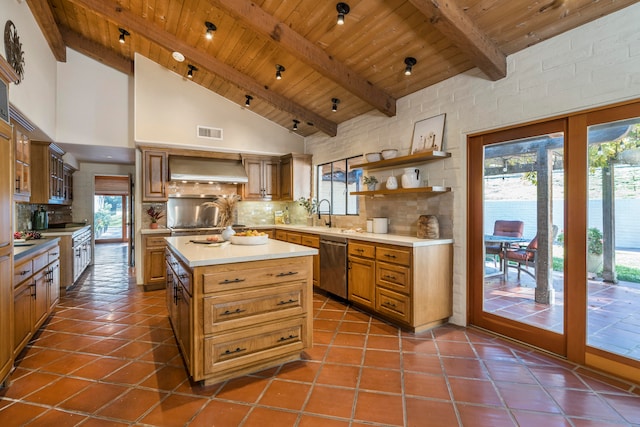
<point x="525" y="257"/>
<point x="503" y="228"/>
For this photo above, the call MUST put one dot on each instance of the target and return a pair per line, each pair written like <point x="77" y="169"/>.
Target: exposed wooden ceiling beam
<point x="44" y="17"/>
<point x="261" y="22"/>
<point x="451" y="21"/>
<point x="96" y="51"/>
<point x="143" y="28"/>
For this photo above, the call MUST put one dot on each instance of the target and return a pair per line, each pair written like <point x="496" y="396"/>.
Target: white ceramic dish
<point x="389" y="153"/>
<point x="249" y="240"/>
<point x="373" y="157"/>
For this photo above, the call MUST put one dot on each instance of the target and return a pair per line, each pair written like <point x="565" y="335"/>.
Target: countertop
<point x="20" y="252"/>
<point x="392" y="239"/>
<point x="53" y="232"/>
<point x="197" y="255"/>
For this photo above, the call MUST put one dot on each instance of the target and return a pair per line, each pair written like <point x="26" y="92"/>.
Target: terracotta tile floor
<point x="107" y="357"/>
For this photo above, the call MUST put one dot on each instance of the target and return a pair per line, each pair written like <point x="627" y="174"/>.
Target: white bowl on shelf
<point x="373" y="157"/>
<point x="389" y="153"/>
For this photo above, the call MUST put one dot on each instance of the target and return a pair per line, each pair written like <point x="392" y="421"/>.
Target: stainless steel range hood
<point x="194" y="169"/>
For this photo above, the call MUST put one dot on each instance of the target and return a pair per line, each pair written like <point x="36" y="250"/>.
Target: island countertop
<point x="199" y="255"/>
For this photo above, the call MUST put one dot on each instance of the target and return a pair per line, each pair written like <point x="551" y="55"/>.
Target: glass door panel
<point x="613" y="238"/>
<point x="109" y="218"/>
<point x="523" y="221"/>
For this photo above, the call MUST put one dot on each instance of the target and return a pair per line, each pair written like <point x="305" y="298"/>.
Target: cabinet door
<point x="154" y="176"/>
<point x="6" y="186"/>
<point x="253" y="189"/>
<point x="54" y="285"/>
<point x="171" y="291"/>
<point x="184" y="324"/>
<point x="286" y="178"/>
<point x="6" y="317"/>
<point x="41" y="291"/>
<point x="23" y="316"/>
<point x="154" y="265"/>
<point x="271" y="179"/>
<point x="362" y="281"/>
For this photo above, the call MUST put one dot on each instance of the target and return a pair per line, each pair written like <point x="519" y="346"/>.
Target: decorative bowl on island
<point x="250" y="237"/>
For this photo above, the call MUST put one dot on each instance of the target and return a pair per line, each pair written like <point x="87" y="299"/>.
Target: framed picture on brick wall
<point x="427" y="134"/>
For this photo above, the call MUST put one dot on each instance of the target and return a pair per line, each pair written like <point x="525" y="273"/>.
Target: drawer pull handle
<point x="360" y="250"/>
<point x="237" y="350"/>
<point x="290" y="273"/>
<point x="390" y="256"/>
<point x="290" y="337"/>
<point x="184" y="276"/>
<point x="236" y="311"/>
<point x="387" y="276"/>
<point x="389" y="304"/>
<point x="227" y="281"/>
<point x="23" y="272"/>
<point x="291" y="301"/>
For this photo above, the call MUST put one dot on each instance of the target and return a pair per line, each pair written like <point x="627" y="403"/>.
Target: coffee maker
<point x="40" y="219"/>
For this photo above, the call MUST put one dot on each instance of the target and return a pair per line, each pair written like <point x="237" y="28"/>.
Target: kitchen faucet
<point x="328" y="224"/>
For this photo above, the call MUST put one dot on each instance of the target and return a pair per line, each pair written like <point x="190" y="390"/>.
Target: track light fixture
<point x="192" y="68"/>
<point x="409" y="62"/>
<point x="295" y="124"/>
<point x="334" y="104"/>
<point x="247" y="103"/>
<point x="343" y="9"/>
<point x="123" y="33"/>
<point x="279" y="71"/>
<point x="211" y="29"/>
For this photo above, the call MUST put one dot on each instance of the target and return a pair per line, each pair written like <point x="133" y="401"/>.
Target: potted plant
<point x="370" y="182"/>
<point x="155" y="212"/>
<point x="594" y="251"/>
<point x="310" y="206"/>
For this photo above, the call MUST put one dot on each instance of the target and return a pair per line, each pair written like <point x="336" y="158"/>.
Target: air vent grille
<point x="209" y="132"/>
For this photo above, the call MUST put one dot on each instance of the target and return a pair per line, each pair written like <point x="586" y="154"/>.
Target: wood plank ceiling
<point x="361" y="63"/>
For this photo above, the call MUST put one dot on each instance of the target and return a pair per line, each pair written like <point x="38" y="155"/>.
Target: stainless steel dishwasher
<point x="333" y="265"/>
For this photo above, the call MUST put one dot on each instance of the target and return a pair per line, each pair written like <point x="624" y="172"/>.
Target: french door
<point x="567" y="277"/>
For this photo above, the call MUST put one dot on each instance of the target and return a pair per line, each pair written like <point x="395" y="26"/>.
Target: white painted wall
<point x="35" y="96"/>
<point x="596" y="64"/>
<point x="93" y="104"/>
<point x="168" y="107"/>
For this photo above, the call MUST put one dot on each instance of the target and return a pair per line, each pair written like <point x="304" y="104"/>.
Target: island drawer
<point x="40" y="261"/>
<point x="392" y="276"/>
<point x="395" y="255"/>
<point x="393" y="304"/>
<point x="227" y="352"/>
<point x="53" y="254"/>
<point x="22" y="272"/>
<point x="240" y="309"/>
<point x="238" y="276"/>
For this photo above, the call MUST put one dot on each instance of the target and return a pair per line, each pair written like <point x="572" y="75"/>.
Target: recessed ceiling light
<point x="178" y="56"/>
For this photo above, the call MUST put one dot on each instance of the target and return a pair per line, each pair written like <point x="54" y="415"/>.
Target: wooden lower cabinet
<point x="153" y="247"/>
<point x="238" y="318"/>
<point x="36" y="292"/>
<point x="409" y="286"/>
<point x="362" y="274"/>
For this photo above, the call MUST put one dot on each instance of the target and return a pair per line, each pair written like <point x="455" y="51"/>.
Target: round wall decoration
<point x="13" y="49"/>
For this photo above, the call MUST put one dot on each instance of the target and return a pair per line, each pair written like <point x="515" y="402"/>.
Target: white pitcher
<point x="410" y="178"/>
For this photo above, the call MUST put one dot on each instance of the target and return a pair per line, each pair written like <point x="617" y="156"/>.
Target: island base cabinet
<point x="227" y="355"/>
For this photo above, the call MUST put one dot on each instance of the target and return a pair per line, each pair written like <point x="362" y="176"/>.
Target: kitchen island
<point x="239" y="309"/>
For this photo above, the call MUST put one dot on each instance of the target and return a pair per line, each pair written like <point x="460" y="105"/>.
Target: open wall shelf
<point x="422" y="157"/>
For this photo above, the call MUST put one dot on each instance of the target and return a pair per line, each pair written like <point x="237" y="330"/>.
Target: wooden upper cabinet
<point x="47" y="173"/>
<point x="295" y="176"/>
<point x="154" y="173"/>
<point x="22" y="165"/>
<point x="264" y="178"/>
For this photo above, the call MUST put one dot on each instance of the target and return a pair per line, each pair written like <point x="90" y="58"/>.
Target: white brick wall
<point x="596" y="64"/>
